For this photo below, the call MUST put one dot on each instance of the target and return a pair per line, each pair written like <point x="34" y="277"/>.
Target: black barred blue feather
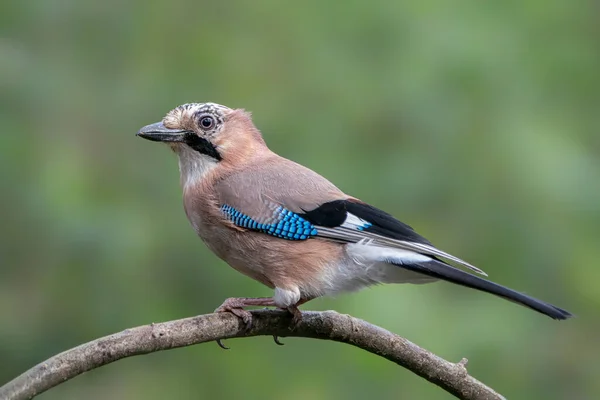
<point x="283" y="223"/>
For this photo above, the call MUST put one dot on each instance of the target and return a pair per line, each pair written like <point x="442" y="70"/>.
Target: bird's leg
<point x="235" y="305"/>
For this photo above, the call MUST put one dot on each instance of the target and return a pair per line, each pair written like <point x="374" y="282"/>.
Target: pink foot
<point x="236" y="305"/>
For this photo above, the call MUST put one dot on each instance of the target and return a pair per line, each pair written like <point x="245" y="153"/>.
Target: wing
<point x="352" y="221"/>
<point x="284" y="199"/>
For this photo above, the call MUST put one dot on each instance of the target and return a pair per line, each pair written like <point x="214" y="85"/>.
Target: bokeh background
<point x="475" y="122"/>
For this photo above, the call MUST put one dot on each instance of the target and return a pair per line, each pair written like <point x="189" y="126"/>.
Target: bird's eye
<point x="207" y="122"/>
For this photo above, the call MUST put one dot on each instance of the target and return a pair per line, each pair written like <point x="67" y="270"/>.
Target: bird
<point x="290" y="228"/>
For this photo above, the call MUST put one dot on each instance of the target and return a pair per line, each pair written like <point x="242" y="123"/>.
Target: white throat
<point x="193" y="166"/>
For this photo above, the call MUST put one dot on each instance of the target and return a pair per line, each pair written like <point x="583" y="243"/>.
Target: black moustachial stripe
<point x="334" y="213"/>
<point x="202" y="145"/>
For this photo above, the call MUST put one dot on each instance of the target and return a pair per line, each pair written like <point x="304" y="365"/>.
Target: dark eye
<point x="207" y="122"/>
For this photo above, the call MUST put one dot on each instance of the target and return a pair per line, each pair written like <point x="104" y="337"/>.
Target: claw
<point x="221" y="345"/>
<point x="276" y="340"/>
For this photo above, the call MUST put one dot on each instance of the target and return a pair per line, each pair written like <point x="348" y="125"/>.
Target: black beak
<point x="159" y="133"/>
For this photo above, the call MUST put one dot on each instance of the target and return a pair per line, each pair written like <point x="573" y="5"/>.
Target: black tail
<point x="440" y="270"/>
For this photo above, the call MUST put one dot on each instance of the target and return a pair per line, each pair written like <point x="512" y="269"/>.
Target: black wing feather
<point x="333" y="214"/>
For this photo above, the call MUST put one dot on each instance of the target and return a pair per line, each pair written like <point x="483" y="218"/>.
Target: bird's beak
<point x="159" y="133"/>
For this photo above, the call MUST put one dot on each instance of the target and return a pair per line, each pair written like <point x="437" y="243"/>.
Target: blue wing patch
<point x="283" y="224"/>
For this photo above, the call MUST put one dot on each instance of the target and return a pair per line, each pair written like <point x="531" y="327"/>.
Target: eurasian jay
<point x="288" y="227"/>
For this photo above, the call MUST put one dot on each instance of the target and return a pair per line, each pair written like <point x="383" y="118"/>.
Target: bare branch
<point x="327" y="325"/>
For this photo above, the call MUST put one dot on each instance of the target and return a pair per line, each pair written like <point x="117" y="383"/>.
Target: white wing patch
<point x="365" y="253"/>
<point x="353" y="222"/>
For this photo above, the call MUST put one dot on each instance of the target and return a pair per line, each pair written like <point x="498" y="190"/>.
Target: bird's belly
<point x="242" y="257"/>
<point x="292" y="265"/>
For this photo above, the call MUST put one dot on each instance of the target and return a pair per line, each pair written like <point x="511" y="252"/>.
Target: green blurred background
<point x="475" y="122"/>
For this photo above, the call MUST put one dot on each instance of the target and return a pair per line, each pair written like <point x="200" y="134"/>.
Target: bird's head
<point x="205" y="135"/>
